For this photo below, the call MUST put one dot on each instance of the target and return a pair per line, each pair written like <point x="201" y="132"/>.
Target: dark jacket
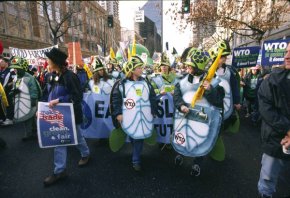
<point x="117" y="100"/>
<point x="68" y="90"/>
<point x="235" y="84"/>
<point x="7" y="76"/>
<point x="274" y="107"/>
<point x="83" y="77"/>
<point x="214" y="96"/>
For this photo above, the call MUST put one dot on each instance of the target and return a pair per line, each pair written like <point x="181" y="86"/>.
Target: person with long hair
<point x="101" y="81"/>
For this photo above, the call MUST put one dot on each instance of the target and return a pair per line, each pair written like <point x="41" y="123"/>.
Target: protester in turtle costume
<point x="184" y="93"/>
<point x="134" y="105"/>
<point x="101" y="82"/>
<point x="228" y="75"/>
<point x="26" y="93"/>
<point x="164" y="81"/>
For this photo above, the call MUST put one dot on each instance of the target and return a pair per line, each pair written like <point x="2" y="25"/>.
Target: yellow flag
<point x="3" y="95"/>
<point x="129" y="54"/>
<point x="89" y="72"/>
<point x="112" y="53"/>
<point x="210" y="74"/>
<point x="134" y="47"/>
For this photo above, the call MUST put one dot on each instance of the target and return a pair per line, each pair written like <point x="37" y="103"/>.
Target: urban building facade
<point x="112" y="7"/>
<point x="151" y="29"/>
<point x="25" y="25"/>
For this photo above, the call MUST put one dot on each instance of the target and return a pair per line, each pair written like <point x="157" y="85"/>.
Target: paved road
<point x="23" y="166"/>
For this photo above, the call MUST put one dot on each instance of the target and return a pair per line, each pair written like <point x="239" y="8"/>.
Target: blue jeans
<point x="137" y="149"/>
<point x="269" y="175"/>
<point x="60" y="153"/>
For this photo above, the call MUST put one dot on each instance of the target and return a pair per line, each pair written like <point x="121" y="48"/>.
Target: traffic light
<point x="110" y="21"/>
<point x="185" y="6"/>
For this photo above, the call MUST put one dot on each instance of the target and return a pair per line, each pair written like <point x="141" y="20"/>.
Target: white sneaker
<point x="7" y="122"/>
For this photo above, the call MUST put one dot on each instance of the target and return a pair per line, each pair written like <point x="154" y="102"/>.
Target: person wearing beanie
<point x="65" y="88"/>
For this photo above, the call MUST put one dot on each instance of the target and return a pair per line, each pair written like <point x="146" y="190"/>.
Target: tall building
<point x="151" y="29"/>
<point x="112" y="7"/>
<point x="25" y="25"/>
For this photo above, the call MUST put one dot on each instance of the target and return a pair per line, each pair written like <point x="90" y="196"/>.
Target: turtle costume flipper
<point x="234" y="124"/>
<point x="218" y="152"/>
<point x="117" y="139"/>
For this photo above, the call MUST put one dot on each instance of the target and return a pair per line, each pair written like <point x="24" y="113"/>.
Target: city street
<point x="23" y="167"/>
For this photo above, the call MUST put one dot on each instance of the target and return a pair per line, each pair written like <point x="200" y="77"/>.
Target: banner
<point x="163" y="123"/>
<point x="97" y="122"/>
<point x="35" y="56"/>
<point x="273" y="52"/>
<point x="245" y="56"/>
<point x="56" y="126"/>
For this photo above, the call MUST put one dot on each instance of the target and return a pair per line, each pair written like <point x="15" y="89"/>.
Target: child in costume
<point x="134" y="106"/>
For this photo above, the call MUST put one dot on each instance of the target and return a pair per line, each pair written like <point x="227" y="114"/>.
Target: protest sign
<point x="56" y="126"/>
<point x="245" y="56"/>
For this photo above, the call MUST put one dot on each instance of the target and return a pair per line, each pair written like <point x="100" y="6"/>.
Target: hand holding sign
<point x="52" y="103"/>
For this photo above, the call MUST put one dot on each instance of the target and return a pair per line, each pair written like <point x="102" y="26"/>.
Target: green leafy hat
<point x="197" y="58"/>
<point x="113" y="61"/>
<point x="213" y="51"/>
<point x="134" y="62"/>
<point x="97" y="64"/>
<point x="19" y="63"/>
<point x="164" y="60"/>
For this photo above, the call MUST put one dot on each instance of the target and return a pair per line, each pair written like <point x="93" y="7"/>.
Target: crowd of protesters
<point x="264" y="98"/>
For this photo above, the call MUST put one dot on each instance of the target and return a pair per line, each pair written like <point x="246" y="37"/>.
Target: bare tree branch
<point x="57" y="26"/>
<point x="248" y="18"/>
